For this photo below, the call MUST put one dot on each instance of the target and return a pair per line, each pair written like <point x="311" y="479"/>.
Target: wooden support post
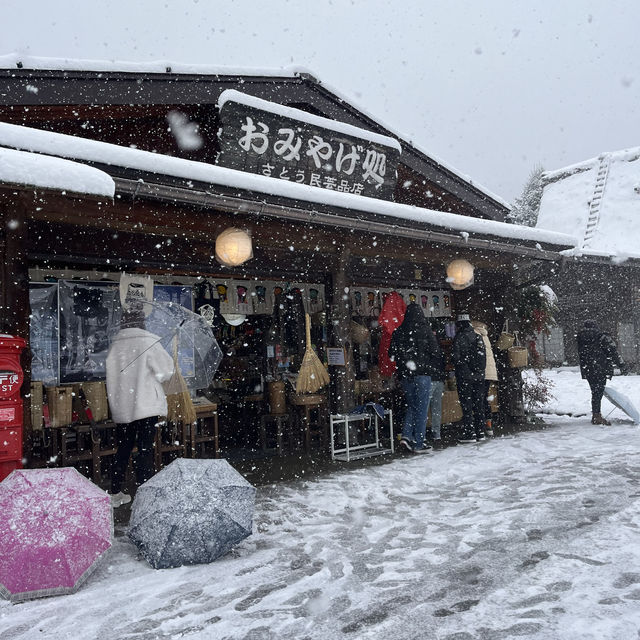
<point x="14" y="291"/>
<point x="344" y="376"/>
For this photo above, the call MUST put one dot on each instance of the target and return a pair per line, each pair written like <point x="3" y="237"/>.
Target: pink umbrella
<point x="54" y="527"/>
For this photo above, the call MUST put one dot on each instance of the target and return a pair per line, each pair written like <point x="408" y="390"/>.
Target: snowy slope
<point x="567" y="195"/>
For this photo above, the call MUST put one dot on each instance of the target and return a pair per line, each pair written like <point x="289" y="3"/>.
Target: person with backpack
<point x="413" y="349"/>
<point x="598" y="355"/>
<point x="469" y="359"/>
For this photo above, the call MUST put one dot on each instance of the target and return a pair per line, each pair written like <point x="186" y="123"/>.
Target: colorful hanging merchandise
<point x="390" y="319"/>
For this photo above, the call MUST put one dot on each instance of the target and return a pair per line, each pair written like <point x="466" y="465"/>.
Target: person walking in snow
<point x="598" y="355"/>
<point x="469" y="359"/>
<point x="490" y="373"/>
<point x="137" y="365"/>
<point x="413" y="350"/>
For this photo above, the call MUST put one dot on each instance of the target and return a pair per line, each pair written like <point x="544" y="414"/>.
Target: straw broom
<point x="312" y="375"/>
<point x="179" y="404"/>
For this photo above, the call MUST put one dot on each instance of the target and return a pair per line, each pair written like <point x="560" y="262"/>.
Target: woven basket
<point x="518" y="357"/>
<point x="60" y="405"/>
<point x="505" y="341"/>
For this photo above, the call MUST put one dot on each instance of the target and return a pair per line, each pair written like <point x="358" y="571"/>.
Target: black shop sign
<point x="270" y="143"/>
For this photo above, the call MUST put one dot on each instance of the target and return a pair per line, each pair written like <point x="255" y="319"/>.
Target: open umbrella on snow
<point x="191" y="512"/>
<point x="623" y="403"/>
<point x="55" y="525"/>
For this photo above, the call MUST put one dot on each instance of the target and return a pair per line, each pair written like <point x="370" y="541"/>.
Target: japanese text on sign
<point x="8" y="381"/>
<point x="280" y="147"/>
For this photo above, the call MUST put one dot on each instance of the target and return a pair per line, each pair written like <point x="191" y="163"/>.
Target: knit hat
<point x="463" y="316"/>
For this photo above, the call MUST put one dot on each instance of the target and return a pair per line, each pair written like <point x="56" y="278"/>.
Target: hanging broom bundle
<point x="312" y="375"/>
<point x="179" y="404"/>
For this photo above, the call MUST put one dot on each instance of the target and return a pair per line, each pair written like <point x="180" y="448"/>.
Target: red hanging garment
<point x="390" y="319"/>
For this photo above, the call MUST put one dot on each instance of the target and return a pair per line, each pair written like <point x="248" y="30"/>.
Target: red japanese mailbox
<point x="11" y="377"/>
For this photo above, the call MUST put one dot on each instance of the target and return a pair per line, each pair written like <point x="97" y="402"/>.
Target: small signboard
<point x="276" y="141"/>
<point x="335" y="356"/>
<point x="7" y="414"/>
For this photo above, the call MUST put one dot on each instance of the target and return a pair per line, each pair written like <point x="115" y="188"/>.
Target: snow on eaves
<point x="624" y="155"/>
<point x="297" y="114"/>
<point x="104" y="153"/>
<point x="12" y="60"/>
<point x="45" y="172"/>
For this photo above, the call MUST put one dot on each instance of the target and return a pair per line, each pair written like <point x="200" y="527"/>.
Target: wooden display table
<point x="204" y="431"/>
<point x="90" y="444"/>
<point x="170" y="438"/>
<point x="282" y="431"/>
<point x="311" y="424"/>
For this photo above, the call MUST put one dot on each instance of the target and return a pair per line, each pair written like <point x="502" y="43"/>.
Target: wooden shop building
<point x="111" y="171"/>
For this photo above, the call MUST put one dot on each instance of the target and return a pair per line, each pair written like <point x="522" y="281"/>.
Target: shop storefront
<point x="329" y="240"/>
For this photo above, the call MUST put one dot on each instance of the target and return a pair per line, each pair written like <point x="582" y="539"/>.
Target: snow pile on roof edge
<point x="73" y="147"/>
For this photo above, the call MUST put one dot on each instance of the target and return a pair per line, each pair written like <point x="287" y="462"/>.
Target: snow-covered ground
<point x="535" y="535"/>
<point x="571" y="395"/>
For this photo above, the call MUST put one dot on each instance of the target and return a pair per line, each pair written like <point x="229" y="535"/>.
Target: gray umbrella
<point x="191" y="512"/>
<point x="623" y="403"/>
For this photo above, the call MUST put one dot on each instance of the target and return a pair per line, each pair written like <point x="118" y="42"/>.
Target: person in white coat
<point x="137" y="365"/>
<point x="490" y="372"/>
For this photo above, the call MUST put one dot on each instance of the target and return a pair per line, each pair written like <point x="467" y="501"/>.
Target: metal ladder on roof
<point x="596" y="200"/>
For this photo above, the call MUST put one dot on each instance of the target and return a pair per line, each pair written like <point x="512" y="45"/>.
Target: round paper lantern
<point x="233" y="247"/>
<point x="234" y="319"/>
<point x="460" y="274"/>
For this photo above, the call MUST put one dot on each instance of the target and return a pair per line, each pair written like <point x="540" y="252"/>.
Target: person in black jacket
<point x="413" y="348"/>
<point x="598" y="355"/>
<point x="469" y="359"/>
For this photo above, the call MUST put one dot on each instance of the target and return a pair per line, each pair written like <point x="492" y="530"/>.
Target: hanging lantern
<point x="460" y="274"/>
<point x="234" y="319"/>
<point x="233" y="247"/>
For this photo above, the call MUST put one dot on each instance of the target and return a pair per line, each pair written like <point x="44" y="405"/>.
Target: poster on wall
<point x="365" y="301"/>
<point x="312" y="296"/>
<point x="43" y="332"/>
<point x="222" y="292"/>
<point x="157" y="323"/>
<point x="89" y="315"/>
<point x="260" y="301"/>
<point x="440" y="304"/>
<point x="241" y="296"/>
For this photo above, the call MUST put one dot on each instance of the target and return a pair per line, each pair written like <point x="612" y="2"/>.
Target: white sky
<point x="493" y="87"/>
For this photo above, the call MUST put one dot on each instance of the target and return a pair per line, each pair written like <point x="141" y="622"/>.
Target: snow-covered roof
<point x="109" y="154"/>
<point x="46" y="172"/>
<point x="12" y="60"/>
<point x="599" y="201"/>
<point x="297" y="114"/>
